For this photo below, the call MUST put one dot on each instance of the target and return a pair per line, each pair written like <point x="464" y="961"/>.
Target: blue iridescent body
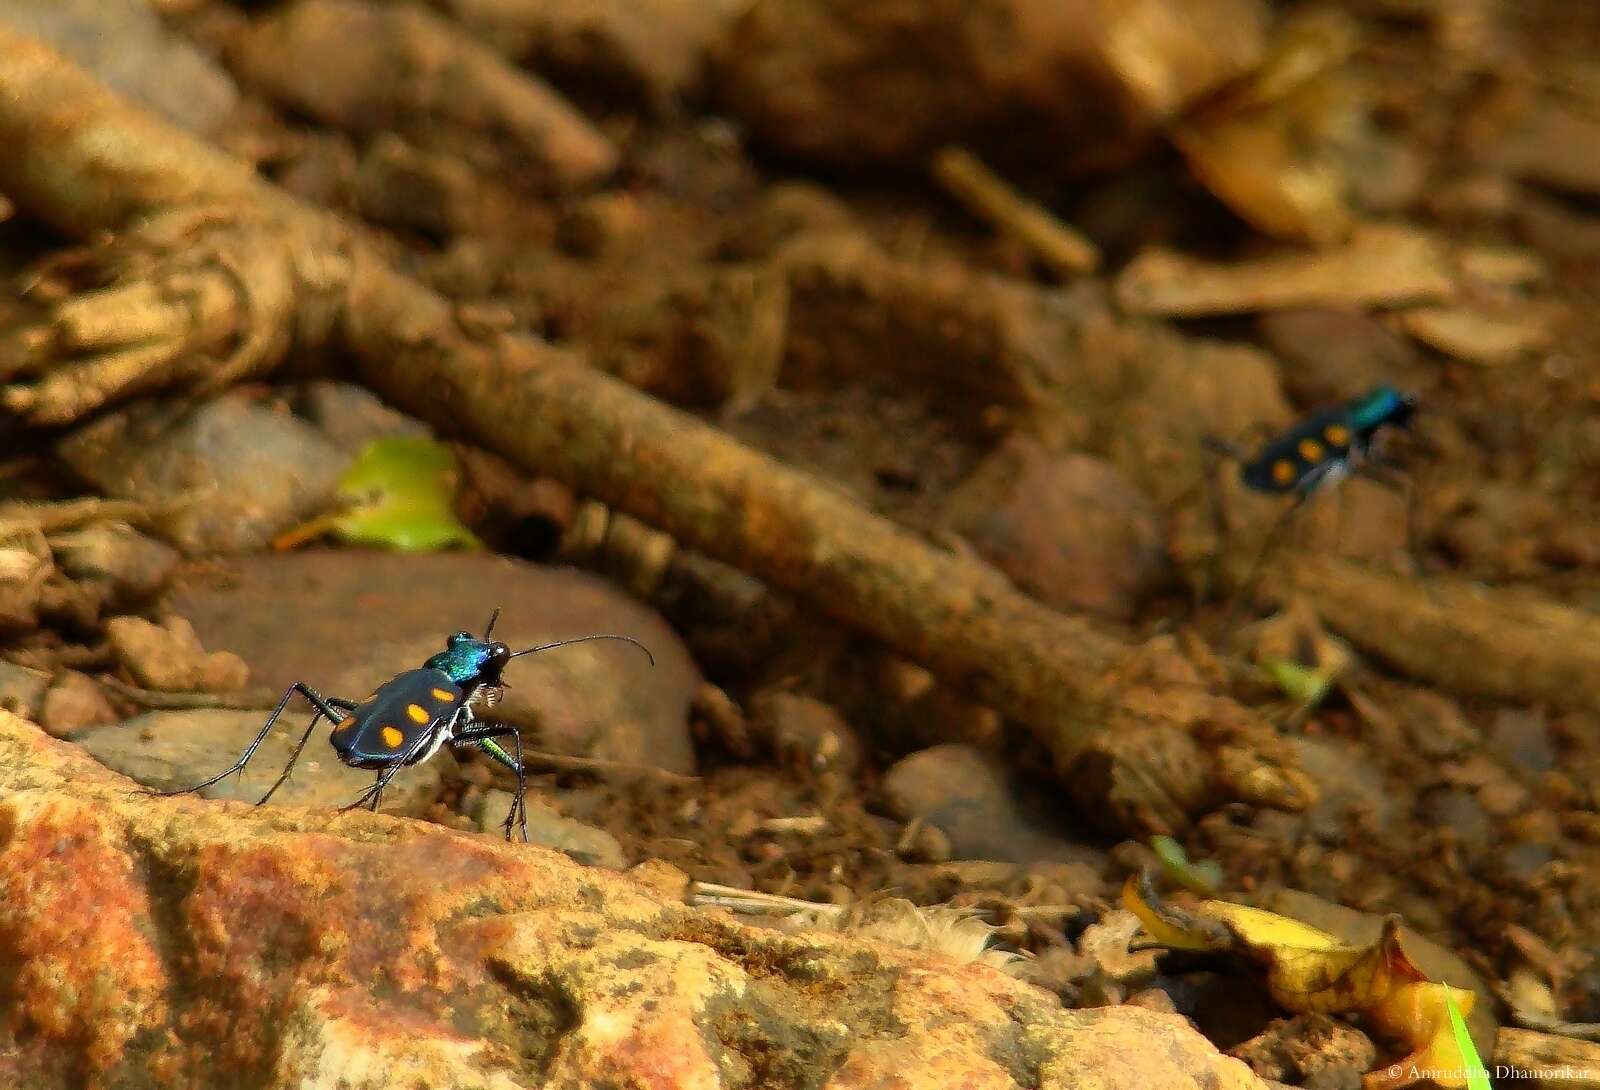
<point x="1326" y="445"/>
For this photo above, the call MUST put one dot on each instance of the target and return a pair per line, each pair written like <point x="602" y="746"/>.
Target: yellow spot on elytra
<point x="1310" y="450"/>
<point x="1337" y="434"/>
<point x="392" y="737"/>
<point x="418" y="713"/>
<point x="443" y="694"/>
<point x="1283" y="471"/>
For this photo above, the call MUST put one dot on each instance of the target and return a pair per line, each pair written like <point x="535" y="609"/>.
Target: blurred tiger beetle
<point x="407" y="718"/>
<point x="1319" y="451"/>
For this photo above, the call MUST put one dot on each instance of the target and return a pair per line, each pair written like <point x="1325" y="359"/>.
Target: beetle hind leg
<point x="333" y="710"/>
<point x="483" y="736"/>
<point x="283" y="777"/>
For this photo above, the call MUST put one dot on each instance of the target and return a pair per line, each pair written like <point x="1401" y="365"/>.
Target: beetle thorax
<point x="468" y="664"/>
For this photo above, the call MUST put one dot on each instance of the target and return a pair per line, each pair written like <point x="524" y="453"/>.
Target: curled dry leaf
<point x="1309" y="970"/>
<point x="1269" y="145"/>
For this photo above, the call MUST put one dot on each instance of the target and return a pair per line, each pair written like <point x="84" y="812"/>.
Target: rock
<point x="1520" y="864"/>
<point x="603" y="223"/>
<point x="24" y="571"/>
<point x="1351" y="791"/>
<point x="370" y="68"/>
<point x="123" y="44"/>
<point x="1451" y="808"/>
<point x="1503" y="797"/>
<point x="662" y="879"/>
<point x="351" y="416"/>
<point x="1434" y="725"/>
<point x="1067" y="528"/>
<point x="22" y="690"/>
<point x="232" y="473"/>
<point x="384" y="613"/>
<point x="73" y="704"/>
<point x="549" y="828"/>
<point x="829" y="81"/>
<point x="124" y="566"/>
<point x="967" y="796"/>
<point x="1333" y="354"/>
<point x="807" y="734"/>
<point x="69" y="605"/>
<point x="169" y="750"/>
<point x="1310" y="1050"/>
<point x="369" y="952"/>
<point x="168" y="657"/>
<point x="924" y="843"/>
<point x="652" y="52"/>
<point x="1525" y="739"/>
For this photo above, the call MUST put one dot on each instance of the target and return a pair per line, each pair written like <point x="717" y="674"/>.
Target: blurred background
<point x="1018" y="285"/>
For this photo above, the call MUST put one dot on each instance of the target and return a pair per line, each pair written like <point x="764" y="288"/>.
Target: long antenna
<point x="493" y="617"/>
<point x="581" y="639"/>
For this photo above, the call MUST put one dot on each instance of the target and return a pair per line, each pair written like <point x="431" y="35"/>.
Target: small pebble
<point x="130" y="567"/>
<point x="1067" y="528"/>
<point x="73" y="704"/>
<point x="923" y="843"/>
<point x="22" y="690"/>
<point x="548" y="828"/>
<point x="352" y="416"/>
<point x="231" y="474"/>
<point x="807" y="734"/>
<point x="971" y="801"/>
<point x="124" y="44"/>
<point x="168" y="657"/>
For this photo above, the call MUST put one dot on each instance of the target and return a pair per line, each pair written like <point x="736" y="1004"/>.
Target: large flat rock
<point x="187" y="942"/>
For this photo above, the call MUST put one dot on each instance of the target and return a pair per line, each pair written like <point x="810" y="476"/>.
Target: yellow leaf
<point x="1309" y="970"/>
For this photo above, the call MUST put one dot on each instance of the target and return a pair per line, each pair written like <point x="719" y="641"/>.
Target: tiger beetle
<point x="407" y="718"/>
<point x="1320" y="450"/>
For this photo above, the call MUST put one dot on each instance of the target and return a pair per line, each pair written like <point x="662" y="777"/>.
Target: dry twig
<point x="1064" y="250"/>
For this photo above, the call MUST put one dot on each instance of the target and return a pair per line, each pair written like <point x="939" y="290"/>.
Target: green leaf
<point x="1304" y="685"/>
<point x="1204" y="878"/>
<point x="399" y="493"/>
<point x="1477" y="1075"/>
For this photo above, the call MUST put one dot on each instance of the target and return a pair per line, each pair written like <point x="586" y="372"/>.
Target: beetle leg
<point x="324" y="708"/>
<point x="1272" y="534"/>
<point x="283" y="777"/>
<point x="1382" y="471"/>
<point x="483" y="737"/>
